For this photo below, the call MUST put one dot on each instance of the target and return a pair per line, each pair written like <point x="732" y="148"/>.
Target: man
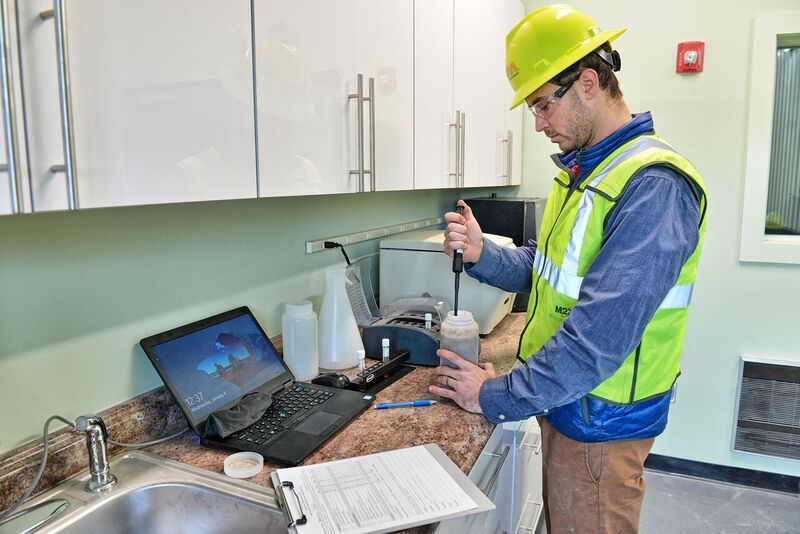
<point x="610" y="279"/>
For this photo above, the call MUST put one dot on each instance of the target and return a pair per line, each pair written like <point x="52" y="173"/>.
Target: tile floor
<point x="676" y="504"/>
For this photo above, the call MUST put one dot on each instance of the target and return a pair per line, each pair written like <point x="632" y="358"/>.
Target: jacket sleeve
<point x="649" y="236"/>
<point x="506" y="268"/>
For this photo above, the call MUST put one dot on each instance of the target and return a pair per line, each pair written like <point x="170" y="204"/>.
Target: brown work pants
<point x="592" y="487"/>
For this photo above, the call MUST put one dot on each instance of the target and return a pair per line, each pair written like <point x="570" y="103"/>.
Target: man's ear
<point x="589" y="84"/>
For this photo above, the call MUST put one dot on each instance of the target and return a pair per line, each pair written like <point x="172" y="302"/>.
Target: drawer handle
<point x="530" y="444"/>
<point x="503" y="455"/>
<point x="536" y="516"/>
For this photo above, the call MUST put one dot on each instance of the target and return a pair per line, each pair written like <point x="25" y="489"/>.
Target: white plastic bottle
<point x="339" y="339"/>
<point x="460" y="335"/>
<point x="299" y="324"/>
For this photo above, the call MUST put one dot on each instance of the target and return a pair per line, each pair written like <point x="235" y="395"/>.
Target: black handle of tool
<point x="458" y="259"/>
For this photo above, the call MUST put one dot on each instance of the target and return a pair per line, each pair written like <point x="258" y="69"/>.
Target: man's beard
<point x="580" y="127"/>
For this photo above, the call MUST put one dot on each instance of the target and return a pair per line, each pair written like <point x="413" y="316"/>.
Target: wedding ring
<point x="447" y="381"/>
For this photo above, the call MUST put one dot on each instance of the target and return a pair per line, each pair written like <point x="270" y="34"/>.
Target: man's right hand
<point x="464" y="232"/>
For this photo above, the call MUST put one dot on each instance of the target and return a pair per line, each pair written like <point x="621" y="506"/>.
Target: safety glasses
<point x="545" y="107"/>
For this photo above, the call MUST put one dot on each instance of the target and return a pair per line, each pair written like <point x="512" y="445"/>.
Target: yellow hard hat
<point x="547" y="41"/>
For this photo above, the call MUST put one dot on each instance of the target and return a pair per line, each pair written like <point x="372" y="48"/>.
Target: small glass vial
<point x="459" y="333"/>
<point x="385" y="349"/>
<point x="361" y="360"/>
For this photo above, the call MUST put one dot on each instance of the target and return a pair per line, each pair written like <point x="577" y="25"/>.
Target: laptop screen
<point x="216" y="365"/>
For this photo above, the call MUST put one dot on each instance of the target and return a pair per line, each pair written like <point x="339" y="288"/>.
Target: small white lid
<point x="385" y="342"/>
<point x="299" y="308"/>
<point x="463" y="317"/>
<point x="361" y="353"/>
<point x="244" y="464"/>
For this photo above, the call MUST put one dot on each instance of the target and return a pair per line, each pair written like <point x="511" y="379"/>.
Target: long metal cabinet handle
<point x="463" y="144"/>
<point x="504" y="164"/>
<point x="359" y="97"/>
<point x="509" y="148"/>
<point x="456" y="143"/>
<point x="9" y="111"/>
<point x="371" y="99"/>
<point x="490" y="485"/>
<point x="59" y="15"/>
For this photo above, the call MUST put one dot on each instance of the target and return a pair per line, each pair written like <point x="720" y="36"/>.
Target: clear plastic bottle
<point x="299" y="333"/>
<point x="339" y="338"/>
<point x="459" y="334"/>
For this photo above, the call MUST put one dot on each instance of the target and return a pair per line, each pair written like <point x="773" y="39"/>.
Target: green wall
<point x="80" y="289"/>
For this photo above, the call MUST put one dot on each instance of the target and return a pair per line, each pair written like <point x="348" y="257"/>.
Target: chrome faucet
<point x="101" y="478"/>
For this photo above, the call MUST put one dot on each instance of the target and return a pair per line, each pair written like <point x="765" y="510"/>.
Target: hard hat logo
<point x="546" y="42"/>
<point x="511" y="70"/>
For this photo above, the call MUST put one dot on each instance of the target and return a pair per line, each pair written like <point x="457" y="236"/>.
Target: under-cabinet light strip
<point x="375" y="233"/>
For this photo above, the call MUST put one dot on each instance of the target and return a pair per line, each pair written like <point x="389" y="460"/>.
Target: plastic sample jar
<point x="243" y="464"/>
<point x="299" y="333"/>
<point x="460" y="334"/>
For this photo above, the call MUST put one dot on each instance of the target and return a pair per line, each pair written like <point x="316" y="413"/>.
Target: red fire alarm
<point x="690" y="56"/>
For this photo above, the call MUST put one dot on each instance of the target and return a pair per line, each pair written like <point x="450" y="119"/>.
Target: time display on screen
<point x="194" y="400"/>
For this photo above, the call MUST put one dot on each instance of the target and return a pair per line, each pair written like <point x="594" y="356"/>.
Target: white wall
<point x="738" y="308"/>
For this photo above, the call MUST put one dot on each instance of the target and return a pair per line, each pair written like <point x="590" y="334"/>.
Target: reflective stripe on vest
<point x="569" y="284"/>
<point x="565" y="280"/>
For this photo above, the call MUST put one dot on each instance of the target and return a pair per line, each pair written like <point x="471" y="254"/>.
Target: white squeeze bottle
<point x="299" y="325"/>
<point x="339" y="339"/>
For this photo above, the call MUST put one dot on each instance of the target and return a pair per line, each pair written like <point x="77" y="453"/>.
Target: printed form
<point x="384" y="491"/>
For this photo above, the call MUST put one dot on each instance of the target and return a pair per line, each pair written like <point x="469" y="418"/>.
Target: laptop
<point x="211" y="364"/>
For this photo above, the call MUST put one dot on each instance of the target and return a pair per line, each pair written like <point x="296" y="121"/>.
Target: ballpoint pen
<point x="384" y="405"/>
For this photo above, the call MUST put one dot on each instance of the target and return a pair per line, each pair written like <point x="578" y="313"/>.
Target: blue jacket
<point x="658" y="215"/>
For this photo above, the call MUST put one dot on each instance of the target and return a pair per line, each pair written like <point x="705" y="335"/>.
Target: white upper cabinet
<point x="161" y="101"/>
<point x="312" y="138"/>
<point x="482" y="93"/>
<point x="157" y="99"/>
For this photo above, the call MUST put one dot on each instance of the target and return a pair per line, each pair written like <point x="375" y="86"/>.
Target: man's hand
<point x="466" y="380"/>
<point x="464" y="232"/>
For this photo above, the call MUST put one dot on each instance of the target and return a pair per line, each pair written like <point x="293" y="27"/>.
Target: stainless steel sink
<point x="156" y="495"/>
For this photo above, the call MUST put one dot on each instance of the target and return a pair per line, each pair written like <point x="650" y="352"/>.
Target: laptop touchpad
<point x="318" y="422"/>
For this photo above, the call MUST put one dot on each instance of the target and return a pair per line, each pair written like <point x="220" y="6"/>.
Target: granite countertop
<point x="460" y="434"/>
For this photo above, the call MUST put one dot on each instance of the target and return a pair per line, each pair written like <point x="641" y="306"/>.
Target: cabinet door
<point x="481" y="90"/>
<point x="385" y="52"/>
<point x="308" y="57"/>
<point x="304" y="68"/>
<point x="434" y="137"/>
<point x="161" y="101"/>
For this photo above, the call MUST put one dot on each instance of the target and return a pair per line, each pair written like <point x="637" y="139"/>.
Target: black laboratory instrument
<point x="381" y="375"/>
<point x="458" y="265"/>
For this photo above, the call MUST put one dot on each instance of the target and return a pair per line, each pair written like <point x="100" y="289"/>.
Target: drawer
<point x="490" y="473"/>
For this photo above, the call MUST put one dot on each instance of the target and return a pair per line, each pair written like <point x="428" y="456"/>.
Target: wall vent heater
<point x="768" y="408"/>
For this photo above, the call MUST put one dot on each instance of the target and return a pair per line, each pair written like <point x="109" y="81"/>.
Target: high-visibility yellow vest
<point x="570" y="238"/>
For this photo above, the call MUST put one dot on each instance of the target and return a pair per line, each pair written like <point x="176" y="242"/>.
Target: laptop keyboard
<point x="292" y="401"/>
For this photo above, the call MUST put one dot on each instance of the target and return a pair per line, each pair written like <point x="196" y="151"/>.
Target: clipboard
<point x="439" y="471"/>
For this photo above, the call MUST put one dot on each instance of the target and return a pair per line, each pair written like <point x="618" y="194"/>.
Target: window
<point x="771" y="207"/>
<point x="783" y="198"/>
